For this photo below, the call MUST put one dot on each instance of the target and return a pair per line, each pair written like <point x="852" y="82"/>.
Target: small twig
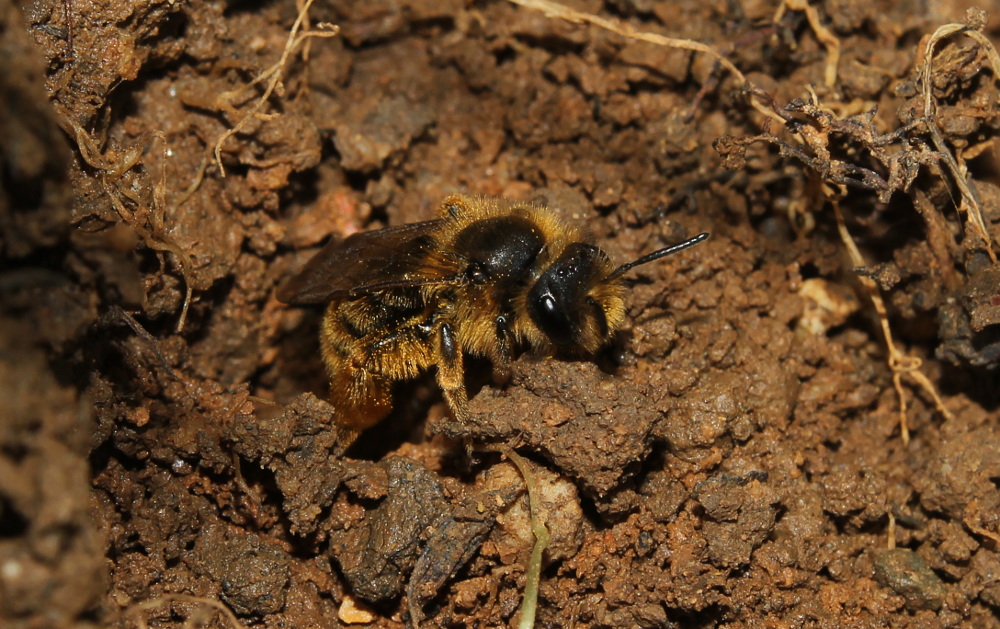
<point x="533" y="572"/>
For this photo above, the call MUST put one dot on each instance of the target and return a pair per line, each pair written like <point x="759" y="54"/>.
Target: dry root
<point x="272" y="76"/>
<point x="149" y="223"/>
<point x="823" y="34"/>
<point x="975" y="21"/>
<point x="554" y="9"/>
<point x="899" y="362"/>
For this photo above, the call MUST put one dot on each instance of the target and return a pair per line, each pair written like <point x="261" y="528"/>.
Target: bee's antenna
<point x="656" y="255"/>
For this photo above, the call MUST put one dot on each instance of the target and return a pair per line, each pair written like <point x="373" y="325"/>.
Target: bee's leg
<point x="501" y="370"/>
<point x="451" y="374"/>
<point x="503" y="354"/>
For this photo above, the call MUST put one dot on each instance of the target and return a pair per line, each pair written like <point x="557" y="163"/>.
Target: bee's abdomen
<point x="369" y="343"/>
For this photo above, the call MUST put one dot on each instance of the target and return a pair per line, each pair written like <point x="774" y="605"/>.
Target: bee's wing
<point x="365" y="262"/>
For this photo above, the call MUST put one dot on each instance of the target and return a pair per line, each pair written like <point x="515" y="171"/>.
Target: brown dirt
<point x="736" y="460"/>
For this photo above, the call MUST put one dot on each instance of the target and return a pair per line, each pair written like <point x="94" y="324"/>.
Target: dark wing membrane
<point x="365" y="262"/>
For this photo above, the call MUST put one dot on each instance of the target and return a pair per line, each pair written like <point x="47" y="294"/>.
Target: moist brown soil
<point x="734" y="459"/>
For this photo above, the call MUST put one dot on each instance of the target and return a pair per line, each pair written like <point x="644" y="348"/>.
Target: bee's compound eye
<point x="549" y="305"/>
<point x="551" y="319"/>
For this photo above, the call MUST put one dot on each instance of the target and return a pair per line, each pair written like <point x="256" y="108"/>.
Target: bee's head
<point x="573" y="304"/>
<point x="579" y="300"/>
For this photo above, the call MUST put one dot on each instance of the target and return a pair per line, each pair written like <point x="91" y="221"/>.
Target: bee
<point x="486" y="277"/>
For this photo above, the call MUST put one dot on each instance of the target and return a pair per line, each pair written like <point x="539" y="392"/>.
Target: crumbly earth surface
<point x="735" y="459"/>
